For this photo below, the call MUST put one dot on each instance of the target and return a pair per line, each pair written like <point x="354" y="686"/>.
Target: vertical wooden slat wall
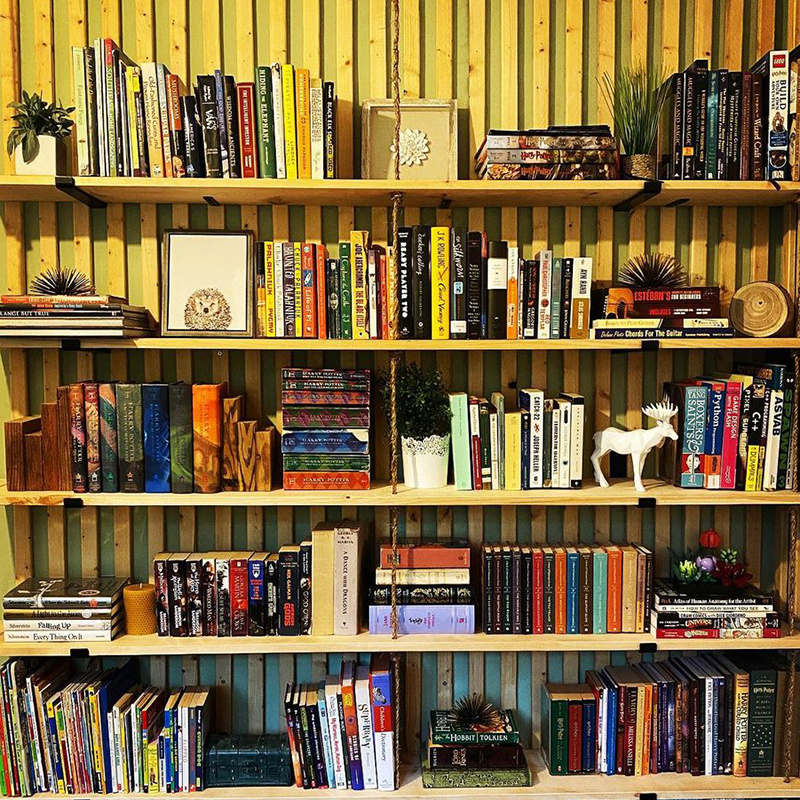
<point x="508" y="63"/>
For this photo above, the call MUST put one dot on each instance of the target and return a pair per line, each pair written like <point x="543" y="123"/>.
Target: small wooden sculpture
<point x="637" y="444"/>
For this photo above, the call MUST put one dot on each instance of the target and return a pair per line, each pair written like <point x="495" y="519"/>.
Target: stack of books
<point x="734" y="429"/>
<point x="627" y="313"/>
<point x="64" y="610"/>
<point x="327" y="414"/>
<point x="475" y="756"/>
<point x="730" y="125"/>
<point x="139" y="437"/>
<point x="706" y="715"/>
<point x="341" y="730"/>
<point x="537" y="446"/>
<point x="100" y="316"/>
<point x="567" y="589"/>
<point x="560" y="152"/>
<point x="234" y="593"/>
<point x="434" y="591"/>
<point x="713" y="611"/>
<point x="142" y="121"/>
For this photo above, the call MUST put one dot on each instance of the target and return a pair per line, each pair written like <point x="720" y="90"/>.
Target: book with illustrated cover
<point x="207" y="435"/>
<point x="443" y="730"/>
<point x="130" y="441"/>
<point x="109" y="463"/>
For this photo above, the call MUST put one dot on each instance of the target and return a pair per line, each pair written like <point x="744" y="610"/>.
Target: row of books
<point x="419" y="567"/>
<point x="730" y="125"/>
<point x="100" y="731"/>
<point x="139" y="437"/>
<point x="559" y="152"/>
<point x="341" y="730"/>
<point x="734" y="429"/>
<point x="720" y="714"/>
<point x="537" y="446"/>
<point x="331" y="409"/>
<point x="578" y="589"/>
<point x="64" y="610"/>
<point x="142" y="121"/>
<point x="713" y="611"/>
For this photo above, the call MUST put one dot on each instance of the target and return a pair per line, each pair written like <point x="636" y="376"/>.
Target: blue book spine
<point x="155" y="421"/>
<point x="716" y="419"/>
<point x="611" y="731"/>
<point x="663" y="710"/>
<point x="168" y="749"/>
<point x="671" y="754"/>
<point x="222" y="122"/>
<point x="326" y="441"/>
<point x="589" y="738"/>
<point x="573" y="586"/>
<point x="525" y="450"/>
<point x="326" y="740"/>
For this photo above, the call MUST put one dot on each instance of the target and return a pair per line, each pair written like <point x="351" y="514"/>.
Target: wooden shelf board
<point x="37" y="188"/>
<point x="726" y="193"/>
<point x="620" y="493"/>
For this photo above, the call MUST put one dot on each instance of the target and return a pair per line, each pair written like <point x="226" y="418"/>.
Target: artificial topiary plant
<point x="423" y="405"/>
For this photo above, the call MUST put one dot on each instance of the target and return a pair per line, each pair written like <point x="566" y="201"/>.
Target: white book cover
<point x="775" y="424"/>
<point x="277" y="108"/>
<point x="325" y="733"/>
<point x="335" y="730"/>
<point x="81" y="110"/>
<point x="277" y="272"/>
<point x="372" y="290"/>
<point x="346" y="569"/>
<point x="581" y="294"/>
<point x="494" y="448"/>
<point x="136" y="743"/>
<point x="364" y="717"/>
<point x="536" y="450"/>
<point x="512" y="282"/>
<point x="565" y="445"/>
<point x="185" y="749"/>
<point x="555" y="445"/>
<point x="499" y="402"/>
<point x="576" y="442"/>
<point x="317" y="147"/>
<point x="545" y="276"/>
<point x="152" y="119"/>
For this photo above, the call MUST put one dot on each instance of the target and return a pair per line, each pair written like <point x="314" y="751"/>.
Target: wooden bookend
<point x="16" y="430"/>
<point x="247" y="455"/>
<point x="265" y="449"/>
<point x="34" y="482"/>
<point x="51" y="457"/>
<point x="64" y="440"/>
<point x="232" y="411"/>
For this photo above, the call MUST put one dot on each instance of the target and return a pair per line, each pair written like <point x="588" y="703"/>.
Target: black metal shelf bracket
<point x="648" y="796"/>
<point x="648" y="647"/>
<point x="646" y="502"/>
<point x="66" y="184"/>
<point x="73" y="502"/>
<point x="649" y="345"/>
<point x="649" y="190"/>
<point x="79" y="652"/>
<point x="71" y="345"/>
<point x="211" y="201"/>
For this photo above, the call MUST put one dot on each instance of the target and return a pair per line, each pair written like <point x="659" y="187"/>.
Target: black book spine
<point x="193" y="142"/>
<point x="303" y="747"/>
<point x="271" y="596"/>
<point x="194" y="596"/>
<point x="497" y="283"/>
<point x="747" y="126"/>
<point x="701" y="99"/>
<point x="488" y="591"/>
<point x="305" y="588"/>
<point x="176" y="581"/>
<point x="332" y="298"/>
<point x="527" y="590"/>
<point x="405" y="282"/>
<point x="458" y="285"/>
<point x="508" y="588"/>
<point x="689" y="108"/>
<point x="566" y="296"/>
<point x="288" y="590"/>
<point x="723" y="142"/>
<point x="757" y="134"/>
<point x="532" y="298"/>
<point x="316" y="744"/>
<point x="474" y="273"/>
<point x="676" y="146"/>
<point x="208" y="589"/>
<point x="232" y="121"/>
<point x="288" y="291"/>
<point x="484" y="287"/>
<point x="421" y="281"/>
<point x="207" y="104"/>
<point x="329" y="128"/>
<point x="734" y="115"/>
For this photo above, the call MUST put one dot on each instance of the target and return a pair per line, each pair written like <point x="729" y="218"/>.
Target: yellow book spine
<point x="629" y="590"/>
<point x="269" y="288"/>
<point x="123" y="747"/>
<point x="646" y="726"/>
<point x="51" y="716"/>
<point x="741" y="715"/>
<point x="298" y="289"/>
<point x="302" y="84"/>
<point x="152" y="766"/>
<point x="751" y="475"/>
<point x="322" y="589"/>
<point x="131" y="84"/>
<point x="641" y="569"/>
<point x="97" y="737"/>
<point x="358" y="272"/>
<point x="289" y="120"/>
<point x="440" y="282"/>
<point x="513" y="451"/>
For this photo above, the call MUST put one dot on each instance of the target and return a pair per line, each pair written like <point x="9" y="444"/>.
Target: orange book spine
<point x="309" y="268"/>
<point x="614" y="611"/>
<point x="322" y="305"/>
<point x="561" y="590"/>
<point x="646" y="724"/>
<point x="207" y="438"/>
<point x="641" y="573"/>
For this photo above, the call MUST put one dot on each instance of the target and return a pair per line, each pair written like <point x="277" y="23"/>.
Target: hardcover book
<point x="109" y="464"/>
<point x="207" y="435"/>
<point x="130" y="441"/>
<point x="155" y="420"/>
<point x="443" y="730"/>
<point x="180" y="438"/>
<point x="92" y="418"/>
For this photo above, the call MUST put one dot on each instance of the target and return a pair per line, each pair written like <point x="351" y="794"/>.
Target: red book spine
<point x="239" y="591"/>
<point x="247" y="147"/>
<point x="325" y="480"/>
<point x="383" y="296"/>
<point x="730" y="434"/>
<point x="538" y="591"/>
<point x="426" y="557"/>
<point x="175" y="123"/>
<point x="311" y="397"/>
<point x="322" y="305"/>
<point x="574" y="748"/>
<point x="309" y="292"/>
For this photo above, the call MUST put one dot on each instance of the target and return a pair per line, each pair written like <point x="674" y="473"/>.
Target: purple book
<point x="423" y="619"/>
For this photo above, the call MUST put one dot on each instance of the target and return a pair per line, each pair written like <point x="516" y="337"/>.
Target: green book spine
<point x="460" y="778"/>
<point x="266" y="123"/>
<point x="443" y="732"/>
<point x="325" y="462"/>
<point x="180" y="438"/>
<point x="109" y="464"/>
<point x="345" y="290"/>
<point x="712" y="121"/>
<point x="459" y="428"/>
<point x="129" y="437"/>
<point x="761" y="726"/>
<point x="600" y="587"/>
<point x="558" y="761"/>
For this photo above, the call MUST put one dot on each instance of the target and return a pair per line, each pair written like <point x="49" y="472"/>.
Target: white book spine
<point x="277" y="107"/>
<point x="460" y="438"/>
<point x="335" y="731"/>
<point x="601" y="726"/>
<point x="277" y="271"/>
<point x="545" y="276"/>
<point x="537" y="440"/>
<point x="317" y="146"/>
<point x="555" y="445"/>
<point x="326" y="741"/>
<point x="576" y="446"/>
<point x="494" y="449"/>
<point x="474" y="430"/>
<point x="365" y="739"/>
<point x="100" y="102"/>
<point x="136" y="743"/>
<point x="81" y="110"/>
<point x="565" y="446"/>
<point x="185" y="749"/>
<point x="775" y="423"/>
<point x="345" y="582"/>
<point x="56" y="625"/>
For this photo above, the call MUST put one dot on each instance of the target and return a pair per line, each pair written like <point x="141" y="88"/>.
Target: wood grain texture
<point x="246" y="432"/>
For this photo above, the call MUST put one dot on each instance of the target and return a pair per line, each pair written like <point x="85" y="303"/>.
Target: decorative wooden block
<point x="265" y="454"/>
<point x="232" y="410"/>
<point x="64" y="439"/>
<point x="16" y="430"/>
<point x="247" y="455"/>
<point x="51" y="457"/>
<point x="34" y="480"/>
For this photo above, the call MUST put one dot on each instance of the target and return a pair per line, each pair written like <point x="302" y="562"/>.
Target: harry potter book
<point x="129" y="437"/>
<point x="207" y="439"/>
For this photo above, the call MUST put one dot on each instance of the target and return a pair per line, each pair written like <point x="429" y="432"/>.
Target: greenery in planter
<point x="35" y="118"/>
<point x="635" y="99"/>
<point x="423" y="404"/>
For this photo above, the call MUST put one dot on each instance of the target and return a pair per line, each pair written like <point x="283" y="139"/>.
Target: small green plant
<point x="35" y="118"/>
<point x="635" y="99"/>
<point x="423" y="405"/>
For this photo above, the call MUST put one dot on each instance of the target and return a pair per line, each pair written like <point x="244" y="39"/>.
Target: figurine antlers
<point x="637" y="443"/>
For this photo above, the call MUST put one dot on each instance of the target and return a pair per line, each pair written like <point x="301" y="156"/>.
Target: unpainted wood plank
<point x="378" y="23"/>
<point x="110" y="17"/>
<point x="509" y="95"/>
<point x="639" y="32"/>
<point x="476" y="80"/>
<point x="703" y="27"/>
<point x="144" y="45"/>
<point x="178" y="42"/>
<point x="573" y="42"/>
<point x="765" y="31"/>
<point x="245" y="34"/>
<point x="211" y="35"/>
<point x="670" y="32"/>
<point x="410" y="37"/>
<point x="541" y="61"/>
<point x="344" y="88"/>
<point x="444" y="49"/>
<point x="9" y="75"/>
<point x="733" y="31"/>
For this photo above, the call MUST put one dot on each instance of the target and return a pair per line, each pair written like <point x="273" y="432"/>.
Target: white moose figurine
<point x="636" y="443"/>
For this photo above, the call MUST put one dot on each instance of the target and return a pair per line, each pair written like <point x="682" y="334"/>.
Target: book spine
<point x="329" y="128"/>
<point x="288" y="593"/>
<point x="304" y="598"/>
<point x="277" y="108"/>
<point x="176" y="588"/>
<point x="776" y="93"/>
<point x="130" y="443"/>
<point x="162" y="594"/>
<point x="543" y="311"/>
<point x="223" y="596"/>
<point x="404" y="284"/>
<point x="194" y="596"/>
<point x="365" y="731"/>
<point x="181" y="468"/>
<point x="316" y="132"/>
<point x="351" y="732"/>
<point x="458" y="283"/>
<point x="266" y="124"/>
<point x="381" y="695"/>
<point x="747" y="126"/>
<point x="207" y="437"/>
<point x="207" y="107"/>
<point x="421" y="281"/>
<point x="222" y="123"/>
<point x="92" y="423"/>
<point x="302" y="88"/>
<point x="289" y="120"/>
<point x="757" y="155"/>
<point x="77" y="422"/>
<point x="193" y="138"/>
<point x="346" y="300"/>
<point x="475" y="270"/>
<point x="256" y="605"/>
<point x="247" y="144"/>
<point x="232" y="128"/>
<point x="163" y="116"/>
<point x="309" y="291"/>
<point x="175" y="122"/>
<point x="421" y="619"/>
<point x="321" y="291"/>
<point x="358" y="280"/>
<point x="440" y="282"/>
<point x="156" y="429"/>
<point x="239" y="596"/>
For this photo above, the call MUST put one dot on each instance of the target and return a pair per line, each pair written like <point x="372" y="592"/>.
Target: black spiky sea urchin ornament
<point x="653" y="271"/>
<point x="475" y="712"/>
<point x="62" y="280"/>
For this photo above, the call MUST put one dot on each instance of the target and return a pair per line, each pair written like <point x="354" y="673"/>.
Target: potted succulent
<point x="37" y="140"/>
<point x="635" y="99"/>
<point x="423" y="423"/>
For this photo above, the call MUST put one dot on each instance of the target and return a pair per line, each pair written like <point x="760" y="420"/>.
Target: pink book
<point x="730" y="434"/>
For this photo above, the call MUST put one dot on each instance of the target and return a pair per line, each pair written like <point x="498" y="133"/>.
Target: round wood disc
<point x="761" y="309"/>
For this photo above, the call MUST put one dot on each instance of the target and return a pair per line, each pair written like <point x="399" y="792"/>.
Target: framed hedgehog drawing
<point x="207" y="285"/>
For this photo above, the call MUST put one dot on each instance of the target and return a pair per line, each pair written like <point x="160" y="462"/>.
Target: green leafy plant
<point x="635" y="99"/>
<point x="423" y="405"/>
<point x="35" y="118"/>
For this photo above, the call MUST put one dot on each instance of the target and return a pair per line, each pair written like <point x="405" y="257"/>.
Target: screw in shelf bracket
<point x="650" y="189"/>
<point x="649" y="345"/>
<point x="648" y="647"/>
<point x="71" y="345"/>
<point x="646" y="502"/>
<point x="66" y="184"/>
<point x="73" y="502"/>
<point x="212" y="201"/>
<point x="512" y="384"/>
<point x="79" y="652"/>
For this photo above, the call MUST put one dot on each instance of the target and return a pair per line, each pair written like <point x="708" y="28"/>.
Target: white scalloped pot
<point x="425" y="461"/>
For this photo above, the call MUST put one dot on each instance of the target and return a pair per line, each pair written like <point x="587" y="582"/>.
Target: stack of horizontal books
<point x="64" y="610"/>
<point x="103" y="316"/>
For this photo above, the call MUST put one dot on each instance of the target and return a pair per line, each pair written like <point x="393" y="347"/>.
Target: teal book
<point x="600" y="590"/>
<point x="345" y="290"/>
<point x="266" y="123"/>
<point x="460" y="440"/>
<point x="712" y="121"/>
<point x="109" y="466"/>
<point x="180" y="438"/>
<point x="130" y="441"/>
<point x="555" y="298"/>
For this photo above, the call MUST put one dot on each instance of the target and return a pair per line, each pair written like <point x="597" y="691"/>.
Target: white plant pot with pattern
<point x="425" y="461"/>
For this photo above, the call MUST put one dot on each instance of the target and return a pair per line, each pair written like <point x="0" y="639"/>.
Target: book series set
<point x="142" y="121"/>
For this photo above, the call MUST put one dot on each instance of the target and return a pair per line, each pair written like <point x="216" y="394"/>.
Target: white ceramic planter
<point x="425" y="461"/>
<point x="51" y="160"/>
